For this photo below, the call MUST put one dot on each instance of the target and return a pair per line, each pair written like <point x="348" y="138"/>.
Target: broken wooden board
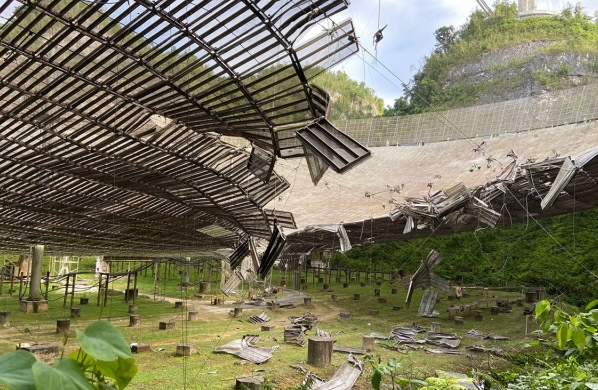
<point x="357" y="351"/>
<point x="259" y="319"/>
<point x="426" y="307"/>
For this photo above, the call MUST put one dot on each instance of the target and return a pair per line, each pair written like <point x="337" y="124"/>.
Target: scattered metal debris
<point x="440" y="350"/>
<point x="483" y="336"/>
<point x="245" y="349"/>
<point x="259" y="319"/>
<point x="424" y="277"/>
<point x="308" y="320"/>
<point x="481" y="348"/>
<point x="343" y="379"/>
<point x="426" y="307"/>
<point x="294" y="334"/>
<point x="357" y="351"/>
<point x="322" y="333"/>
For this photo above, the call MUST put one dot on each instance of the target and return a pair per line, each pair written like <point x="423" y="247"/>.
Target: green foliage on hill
<point x="350" y="99"/>
<point x="563" y="257"/>
<point x="571" y="32"/>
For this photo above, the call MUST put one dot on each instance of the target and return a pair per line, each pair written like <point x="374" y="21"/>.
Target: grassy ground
<point x="161" y="369"/>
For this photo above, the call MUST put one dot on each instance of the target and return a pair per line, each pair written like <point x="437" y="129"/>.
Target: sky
<point x="408" y="37"/>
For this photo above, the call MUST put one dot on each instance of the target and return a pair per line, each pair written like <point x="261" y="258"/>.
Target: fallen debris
<point x="483" y="336"/>
<point x="357" y="351"/>
<point x="244" y="349"/>
<point x="481" y="348"/>
<point x="259" y="319"/>
<point x="294" y="334"/>
<point x="447" y="351"/>
<point x="308" y="320"/>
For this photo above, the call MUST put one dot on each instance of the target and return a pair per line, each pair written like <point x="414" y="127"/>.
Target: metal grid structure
<point x="573" y="105"/>
<point x="111" y="115"/>
<point x="554" y="186"/>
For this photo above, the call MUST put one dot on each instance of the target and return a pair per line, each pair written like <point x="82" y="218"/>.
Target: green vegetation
<point x="431" y="88"/>
<point x="564" y="258"/>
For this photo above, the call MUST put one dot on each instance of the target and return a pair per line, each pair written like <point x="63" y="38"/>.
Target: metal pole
<point x="135" y="286"/>
<point x="66" y="290"/>
<point x="47" y="284"/>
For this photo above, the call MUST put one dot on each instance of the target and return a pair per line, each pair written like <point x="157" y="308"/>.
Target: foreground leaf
<point x="121" y="370"/>
<point x="104" y="342"/>
<point x="65" y="375"/>
<point x="15" y="370"/>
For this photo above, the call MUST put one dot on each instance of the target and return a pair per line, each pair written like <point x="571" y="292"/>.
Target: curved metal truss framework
<point x="111" y="114"/>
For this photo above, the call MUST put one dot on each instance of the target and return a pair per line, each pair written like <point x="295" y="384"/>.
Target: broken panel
<point x="332" y="146"/>
<point x="272" y="252"/>
<point x="261" y="163"/>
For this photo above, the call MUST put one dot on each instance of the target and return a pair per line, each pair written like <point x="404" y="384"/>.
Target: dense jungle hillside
<point x="496" y="57"/>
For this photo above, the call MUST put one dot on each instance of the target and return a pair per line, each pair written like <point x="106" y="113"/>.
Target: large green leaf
<point x="64" y="375"/>
<point x="579" y="339"/>
<point x="122" y="370"/>
<point x="562" y="335"/>
<point x="376" y="379"/>
<point x="542" y="308"/>
<point x="104" y="342"/>
<point x="592" y="304"/>
<point x="15" y="370"/>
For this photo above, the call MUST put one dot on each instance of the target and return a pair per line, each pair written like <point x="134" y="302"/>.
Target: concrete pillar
<point x="35" y="286"/>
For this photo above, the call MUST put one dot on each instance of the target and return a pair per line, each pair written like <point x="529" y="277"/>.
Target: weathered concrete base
<point x="30" y="306"/>
<point x="185" y="349"/>
<point x="44" y="353"/>
<point x="139" y="347"/>
<point x="165" y="325"/>
<point x="249" y="382"/>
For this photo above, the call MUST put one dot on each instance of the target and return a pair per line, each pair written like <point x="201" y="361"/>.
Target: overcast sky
<point x="408" y="37"/>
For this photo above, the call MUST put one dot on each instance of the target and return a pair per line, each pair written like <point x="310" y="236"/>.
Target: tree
<point x="445" y="38"/>
<point x="401" y="107"/>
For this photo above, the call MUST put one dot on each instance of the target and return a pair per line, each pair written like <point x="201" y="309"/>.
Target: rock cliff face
<point x="524" y="70"/>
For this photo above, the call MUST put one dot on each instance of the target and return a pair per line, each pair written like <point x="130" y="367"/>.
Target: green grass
<point x="160" y="369"/>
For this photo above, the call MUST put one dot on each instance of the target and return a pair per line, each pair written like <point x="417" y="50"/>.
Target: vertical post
<point x="20" y="284"/>
<point x="106" y="289"/>
<point x="135" y="287"/>
<point x="73" y="288"/>
<point x="12" y="279"/>
<point x="99" y="287"/>
<point x="47" y="285"/>
<point x="2" y="271"/>
<point x="66" y="290"/>
<point x="128" y="287"/>
<point x="35" y="290"/>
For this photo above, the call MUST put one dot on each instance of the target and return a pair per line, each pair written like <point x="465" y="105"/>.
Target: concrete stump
<point x="185" y="350"/>
<point x="132" y="308"/>
<point x="268" y="328"/>
<point x="179" y="304"/>
<point x="319" y="351"/>
<point x="33" y="306"/>
<point x="63" y="326"/>
<point x="83" y="301"/>
<point x="458" y="321"/>
<point x="334" y="297"/>
<point x="374" y="312"/>
<point x="345" y="285"/>
<point x="531" y="296"/>
<point x="139" y="347"/>
<point x="247" y="382"/>
<point x="75" y="312"/>
<point x="165" y="325"/>
<point x="520" y="302"/>
<point x="376" y="292"/>
<point x="494" y="310"/>
<point x="362" y="284"/>
<point x="320" y="280"/>
<point x="131" y="293"/>
<point x="394" y="291"/>
<point x="192" y="316"/>
<point x="275" y="306"/>
<point x="237" y="311"/>
<point x="435" y="328"/>
<point x="369" y="343"/>
<point x="134" y="320"/>
<point x="4" y="317"/>
<point x="45" y="353"/>
<point x="397" y="308"/>
<point x="307" y="301"/>
<point x="356" y="296"/>
<point x="478" y="316"/>
<point x="204" y="287"/>
<point x="382" y="300"/>
<point x="325" y="287"/>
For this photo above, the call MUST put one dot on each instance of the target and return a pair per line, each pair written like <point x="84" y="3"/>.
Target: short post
<point x="132" y="308"/>
<point x="394" y="291"/>
<point x="204" y="287"/>
<point x="326" y="287"/>
<point x="369" y="343"/>
<point x="397" y="308"/>
<point x="435" y="328"/>
<point x="63" y="326"/>
<point x="165" y="325"/>
<point x="494" y="310"/>
<point x="381" y="300"/>
<point x="185" y="349"/>
<point x="75" y="312"/>
<point x="134" y="320"/>
<point x="178" y="304"/>
<point x="356" y="296"/>
<point x="478" y="316"/>
<point x="4" y="317"/>
<point x="192" y="316"/>
<point x="334" y="297"/>
<point x="307" y="301"/>
<point x="237" y="311"/>
<point x="275" y="306"/>
<point x="374" y="312"/>
<point x="268" y="328"/>
<point x="319" y="351"/>
<point x="458" y="321"/>
<point x="376" y="292"/>
<point x="345" y="285"/>
<point x="249" y="382"/>
<point x="83" y="301"/>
